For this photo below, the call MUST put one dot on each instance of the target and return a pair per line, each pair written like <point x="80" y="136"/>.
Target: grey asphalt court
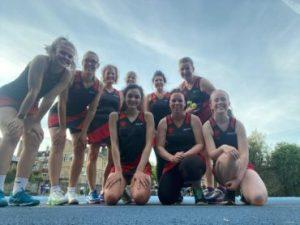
<point x="276" y="211"/>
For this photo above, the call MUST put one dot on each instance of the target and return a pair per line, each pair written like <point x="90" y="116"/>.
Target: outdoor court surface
<point x="277" y="211"/>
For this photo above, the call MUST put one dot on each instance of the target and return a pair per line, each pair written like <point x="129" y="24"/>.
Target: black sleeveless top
<point x="79" y="97"/>
<point x="200" y="98"/>
<point x="228" y="137"/>
<point x="18" y="88"/>
<point x="132" y="137"/>
<point x="159" y="107"/>
<point x="109" y="102"/>
<point x="179" y="138"/>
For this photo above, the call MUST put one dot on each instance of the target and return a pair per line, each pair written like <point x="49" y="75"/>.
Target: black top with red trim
<point x="179" y="138"/>
<point x="132" y="137"/>
<point x="228" y="137"/>
<point x="159" y="107"/>
<point x="18" y="89"/>
<point x="199" y="97"/>
<point x="109" y="102"/>
<point x="79" y="97"/>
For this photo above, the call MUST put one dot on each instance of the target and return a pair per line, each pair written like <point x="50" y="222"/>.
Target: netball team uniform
<point x="200" y="98"/>
<point x="13" y="93"/>
<point x="132" y="141"/>
<point x="190" y="169"/>
<point x="79" y="98"/>
<point x="98" y="132"/>
<point x="228" y="137"/>
<point x="159" y="107"/>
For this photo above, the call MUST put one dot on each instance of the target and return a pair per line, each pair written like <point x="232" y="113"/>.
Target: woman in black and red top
<point x="131" y="133"/>
<point x="98" y="133"/>
<point x="226" y="141"/>
<point x="74" y="111"/>
<point x="45" y="77"/>
<point x="158" y="104"/>
<point x="197" y="91"/>
<point x="181" y="144"/>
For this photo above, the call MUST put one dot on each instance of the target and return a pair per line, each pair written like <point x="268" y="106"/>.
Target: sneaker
<point x="57" y="197"/>
<point x="199" y="197"/>
<point x="216" y="197"/>
<point x="21" y="198"/>
<point x="243" y="199"/>
<point x="229" y="198"/>
<point x="207" y="192"/>
<point x="72" y="198"/>
<point x="101" y="197"/>
<point x="93" y="197"/>
<point x="3" y="201"/>
<point x="126" y="198"/>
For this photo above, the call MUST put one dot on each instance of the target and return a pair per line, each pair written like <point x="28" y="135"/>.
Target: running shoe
<point x="57" y="197"/>
<point x="93" y="197"/>
<point x="199" y="197"/>
<point x="229" y="198"/>
<point x="207" y="192"/>
<point x="101" y="197"/>
<point x="72" y="198"/>
<point x="21" y="198"/>
<point x="243" y="199"/>
<point x="3" y="201"/>
<point x="216" y="197"/>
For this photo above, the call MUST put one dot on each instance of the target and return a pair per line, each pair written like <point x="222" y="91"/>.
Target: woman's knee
<point x="111" y="198"/>
<point x="192" y="168"/>
<point x="92" y="156"/>
<point x="141" y="197"/>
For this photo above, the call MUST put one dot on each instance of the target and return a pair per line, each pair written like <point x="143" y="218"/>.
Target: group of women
<point x="130" y="125"/>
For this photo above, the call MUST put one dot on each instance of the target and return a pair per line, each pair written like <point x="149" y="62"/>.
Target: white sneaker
<point x="57" y="197"/>
<point x="72" y="198"/>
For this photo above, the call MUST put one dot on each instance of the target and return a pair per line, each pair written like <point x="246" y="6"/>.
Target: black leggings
<point x="188" y="171"/>
<point x="160" y="163"/>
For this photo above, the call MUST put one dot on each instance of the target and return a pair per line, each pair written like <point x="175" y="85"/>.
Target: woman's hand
<point x="233" y="184"/>
<point x="141" y="179"/>
<point x="227" y="149"/>
<point x="113" y="179"/>
<point x="178" y="157"/>
<point x="15" y="126"/>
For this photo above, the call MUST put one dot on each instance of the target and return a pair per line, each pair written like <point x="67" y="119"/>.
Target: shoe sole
<point x="56" y="203"/>
<point x="73" y="203"/>
<point x="23" y="204"/>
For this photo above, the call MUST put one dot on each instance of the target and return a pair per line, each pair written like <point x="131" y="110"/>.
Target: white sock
<point x="19" y="184"/>
<point x="55" y="188"/>
<point x="71" y="189"/>
<point x="2" y="179"/>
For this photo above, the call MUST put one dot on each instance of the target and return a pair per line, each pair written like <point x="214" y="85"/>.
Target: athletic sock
<point x="2" y="179"/>
<point x="19" y="184"/>
<point x="54" y="188"/>
<point x="71" y="189"/>
<point x="198" y="193"/>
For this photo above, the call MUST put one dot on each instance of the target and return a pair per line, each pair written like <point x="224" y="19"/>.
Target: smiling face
<point x="186" y="70"/>
<point x="131" y="78"/>
<point x="90" y="63"/>
<point x="177" y="103"/>
<point x="64" y="55"/>
<point x="219" y="102"/>
<point x="133" y="98"/>
<point x="110" y="75"/>
<point x="159" y="82"/>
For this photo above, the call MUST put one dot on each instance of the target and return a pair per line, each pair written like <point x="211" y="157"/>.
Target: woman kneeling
<point x="226" y="141"/>
<point x="180" y="143"/>
<point x="131" y="133"/>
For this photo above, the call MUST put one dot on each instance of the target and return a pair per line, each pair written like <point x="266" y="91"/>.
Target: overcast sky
<point x="250" y="48"/>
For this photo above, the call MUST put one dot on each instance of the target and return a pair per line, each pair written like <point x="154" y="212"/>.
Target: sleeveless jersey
<point x="132" y="137"/>
<point x="179" y="138"/>
<point x="18" y="89"/>
<point x="79" y="97"/>
<point x="159" y="107"/>
<point x="199" y="97"/>
<point x="109" y="102"/>
<point x="228" y="137"/>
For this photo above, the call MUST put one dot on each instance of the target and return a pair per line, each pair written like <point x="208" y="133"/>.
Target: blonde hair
<point x="109" y="66"/>
<point x="51" y="49"/>
<point x="90" y="53"/>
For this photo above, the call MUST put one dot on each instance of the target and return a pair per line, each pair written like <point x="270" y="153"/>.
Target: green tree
<point x="285" y="162"/>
